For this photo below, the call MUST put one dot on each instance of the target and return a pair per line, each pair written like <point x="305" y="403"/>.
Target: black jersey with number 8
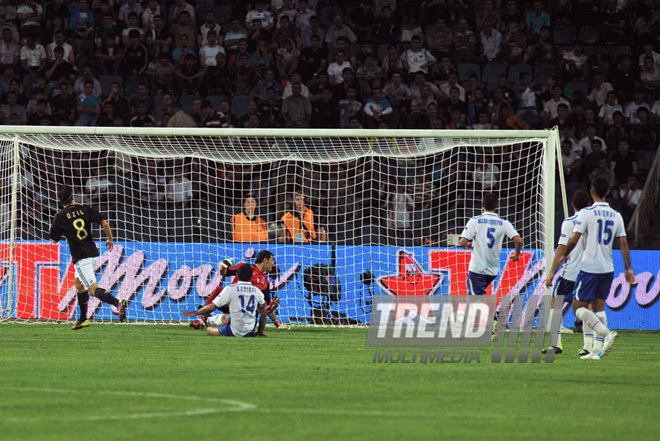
<point x="75" y="224"/>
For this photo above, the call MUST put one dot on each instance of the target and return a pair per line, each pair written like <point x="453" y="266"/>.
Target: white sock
<point x="598" y="344"/>
<point x="214" y="320"/>
<point x="588" y="337"/>
<point x="547" y="327"/>
<point x="602" y="317"/>
<point x="589" y="318"/>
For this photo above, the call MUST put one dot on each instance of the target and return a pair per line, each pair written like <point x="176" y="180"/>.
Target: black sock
<point x="83" y="298"/>
<point x="105" y="296"/>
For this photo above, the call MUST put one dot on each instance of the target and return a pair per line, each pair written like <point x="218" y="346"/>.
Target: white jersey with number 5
<point x="599" y="225"/>
<point x="244" y="299"/>
<point x="487" y="232"/>
<point x="571" y="268"/>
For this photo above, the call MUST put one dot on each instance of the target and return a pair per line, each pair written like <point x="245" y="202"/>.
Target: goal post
<point x="382" y="213"/>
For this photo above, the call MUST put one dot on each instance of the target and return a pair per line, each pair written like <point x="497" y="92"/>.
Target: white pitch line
<point x="234" y="405"/>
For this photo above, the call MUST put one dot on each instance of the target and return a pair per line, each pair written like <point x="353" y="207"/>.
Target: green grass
<point x="172" y="383"/>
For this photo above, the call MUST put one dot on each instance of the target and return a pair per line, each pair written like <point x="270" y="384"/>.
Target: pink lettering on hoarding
<point x="644" y="295"/>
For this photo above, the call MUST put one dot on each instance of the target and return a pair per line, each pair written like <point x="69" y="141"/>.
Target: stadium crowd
<point x="589" y="67"/>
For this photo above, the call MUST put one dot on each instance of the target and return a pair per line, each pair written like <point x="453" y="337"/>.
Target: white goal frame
<point x="470" y="138"/>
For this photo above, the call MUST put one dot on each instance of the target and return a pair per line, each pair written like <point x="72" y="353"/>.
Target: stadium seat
<point x="106" y="83"/>
<point x="588" y="34"/>
<point x="215" y="100"/>
<point x="187" y="101"/>
<point x="515" y="71"/>
<point x="225" y="15"/>
<point x="542" y="71"/>
<point x="130" y="87"/>
<point x="382" y="51"/>
<point x="564" y="34"/>
<point x="239" y="105"/>
<point x="575" y="86"/>
<point x="491" y="75"/>
<point x="328" y="14"/>
<point x="467" y="69"/>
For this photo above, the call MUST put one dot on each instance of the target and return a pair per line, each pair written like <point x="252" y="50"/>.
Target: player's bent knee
<point x="213" y="332"/>
<point x="92" y="288"/>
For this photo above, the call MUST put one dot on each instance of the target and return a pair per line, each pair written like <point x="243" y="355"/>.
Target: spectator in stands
<point x="300" y="223"/>
<point x="313" y="59"/>
<point x="491" y="44"/>
<point x="378" y="109"/>
<point x="571" y="162"/>
<point x="650" y="76"/>
<point x="304" y="15"/>
<point x="234" y="35"/>
<point x="287" y="58"/>
<point x="573" y="65"/>
<point x="136" y="56"/>
<point x="514" y="44"/>
<point x="585" y="145"/>
<point x="416" y="58"/>
<point x="362" y="21"/>
<point x="606" y="113"/>
<point x="598" y="62"/>
<point x="81" y="22"/>
<point x="348" y="108"/>
<point x="107" y="26"/>
<point x="161" y="73"/>
<point x="63" y="104"/>
<point x="30" y="16"/>
<point x="325" y="113"/>
<point x="211" y="118"/>
<point x="189" y="76"/>
<point x="87" y="75"/>
<point x="623" y="163"/>
<point x="107" y="117"/>
<point x="511" y="14"/>
<point x="630" y="112"/>
<point x="630" y="194"/>
<point x="613" y="23"/>
<point x="9" y="50"/>
<point x="179" y="190"/>
<point x="142" y="97"/>
<point x="89" y="105"/>
<point x="261" y="13"/>
<point x="98" y="186"/>
<point x="599" y="90"/>
<point x="625" y="76"/>
<point x="296" y="109"/>
<point x="465" y="43"/>
<point x="120" y="104"/>
<point x="59" y="67"/>
<point x="339" y="30"/>
<point x="386" y="30"/>
<point x="142" y="117"/>
<point x="109" y="56"/>
<point x="603" y="171"/>
<point x="336" y="68"/>
<point x="133" y="24"/>
<point x="180" y="118"/>
<point x="211" y="48"/>
<point x="57" y="9"/>
<point x="159" y="39"/>
<point x="130" y="6"/>
<point x="537" y="18"/>
<point x="149" y="15"/>
<point x="642" y="134"/>
<point x="209" y="25"/>
<point x="509" y="121"/>
<point x="592" y="160"/>
<point x="540" y="48"/>
<point x="33" y="57"/>
<point x="184" y="26"/>
<point x="550" y="107"/>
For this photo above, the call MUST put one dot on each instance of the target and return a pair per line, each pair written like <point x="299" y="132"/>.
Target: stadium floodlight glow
<point x="392" y="203"/>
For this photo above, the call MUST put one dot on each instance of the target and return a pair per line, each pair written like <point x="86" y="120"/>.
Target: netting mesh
<point x="346" y="217"/>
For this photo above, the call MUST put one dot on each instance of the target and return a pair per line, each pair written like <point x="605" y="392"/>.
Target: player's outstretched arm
<point x="108" y="233"/>
<point x="463" y="242"/>
<point x="625" y="253"/>
<point x="225" y="265"/>
<point x="518" y="243"/>
<point x="204" y="310"/>
<point x="559" y="256"/>
<point x="262" y="322"/>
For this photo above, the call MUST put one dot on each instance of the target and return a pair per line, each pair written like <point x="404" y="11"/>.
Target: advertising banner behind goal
<point x="316" y="285"/>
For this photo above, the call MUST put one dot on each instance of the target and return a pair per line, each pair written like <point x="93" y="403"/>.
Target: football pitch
<point x="173" y="383"/>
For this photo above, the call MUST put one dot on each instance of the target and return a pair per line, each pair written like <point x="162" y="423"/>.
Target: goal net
<point x="347" y="214"/>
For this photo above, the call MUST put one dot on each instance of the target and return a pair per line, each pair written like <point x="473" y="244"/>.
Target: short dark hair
<point x="263" y="255"/>
<point x="65" y="194"/>
<point x="244" y="273"/>
<point x="600" y="186"/>
<point x="489" y="201"/>
<point x="581" y="199"/>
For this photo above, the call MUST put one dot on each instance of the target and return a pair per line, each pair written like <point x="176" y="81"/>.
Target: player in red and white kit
<point x="263" y="264"/>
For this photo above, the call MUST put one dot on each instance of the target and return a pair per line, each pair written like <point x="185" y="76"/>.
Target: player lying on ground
<point x="484" y="234"/>
<point x="263" y="264"/>
<point x="600" y="224"/>
<point x="245" y="300"/>
<point x="74" y="222"/>
<point x="570" y="270"/>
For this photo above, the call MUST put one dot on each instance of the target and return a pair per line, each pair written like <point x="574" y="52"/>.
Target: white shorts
<point x="85" y="271"/>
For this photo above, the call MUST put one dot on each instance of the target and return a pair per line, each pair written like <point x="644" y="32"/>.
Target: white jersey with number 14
<point x="244" y="299"/>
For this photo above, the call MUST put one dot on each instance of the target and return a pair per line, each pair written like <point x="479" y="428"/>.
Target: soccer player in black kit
<point x="74" y="222"/>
